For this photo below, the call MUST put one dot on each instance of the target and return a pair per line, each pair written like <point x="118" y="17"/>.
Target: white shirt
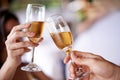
<point x="103" y="38"/>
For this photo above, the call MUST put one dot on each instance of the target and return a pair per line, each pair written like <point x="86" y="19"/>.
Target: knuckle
<point x="22" y="43"/>
<point x="6" y="42"/>
<point x="22" y="50"/>
<point x="28" y="44"/>
<point x="15" y="28"/>
<point x="8" y="37"/>
<point x="9" y="47"/>
<point x="10" y="51"/>
<point x="16" y="33"/>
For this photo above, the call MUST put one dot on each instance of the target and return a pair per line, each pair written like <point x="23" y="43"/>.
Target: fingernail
<point x="27" y="25"/>
<point x="36" y="45"/>
<point x="31" y="34"/>
<point x="27" y="50"/>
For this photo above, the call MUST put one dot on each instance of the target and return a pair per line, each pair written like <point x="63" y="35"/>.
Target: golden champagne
<point x="37" y="28"/>
<point x="62" y="39"/>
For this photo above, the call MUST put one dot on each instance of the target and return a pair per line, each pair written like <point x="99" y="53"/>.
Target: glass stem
<point x="32" y="60"/>
<point x="68" y="50"/>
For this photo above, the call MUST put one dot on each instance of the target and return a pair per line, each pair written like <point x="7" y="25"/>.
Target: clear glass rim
<point x="53" y="17"/>
<point x="56" y="16"/>
<point x="35" y="4"/>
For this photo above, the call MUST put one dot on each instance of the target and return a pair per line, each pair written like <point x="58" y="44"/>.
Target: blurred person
<point x="15" y="49"/>
<point x="7" y="21"/>
<point x="100" y="69"/>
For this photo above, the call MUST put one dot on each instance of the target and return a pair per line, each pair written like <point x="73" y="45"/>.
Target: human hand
<point x="100" y="68"/>
<point x="15" y="46"/>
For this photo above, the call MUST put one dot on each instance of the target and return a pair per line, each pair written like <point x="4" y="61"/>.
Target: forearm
<point x="117" y="72"/>
<point x="7" y="71"/>
<point x="41" y="76"/>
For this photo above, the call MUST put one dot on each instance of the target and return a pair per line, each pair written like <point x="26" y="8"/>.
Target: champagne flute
<point x="35" y="15"/>
<point x="62" y="37"/>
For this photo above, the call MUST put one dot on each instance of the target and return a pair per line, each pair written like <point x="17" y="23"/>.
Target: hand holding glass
<point x="35" y="15"/>
<point x="62" y="37"/>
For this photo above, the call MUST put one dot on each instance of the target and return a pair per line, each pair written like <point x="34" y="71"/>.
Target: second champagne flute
<point x="62" y="37"/>
<point x="35" y="15"/>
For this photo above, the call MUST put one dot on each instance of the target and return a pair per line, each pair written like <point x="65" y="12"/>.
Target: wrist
<point x="8" y="69"/>
<point x="117" y="73"/>
<point x="12" y="62"/>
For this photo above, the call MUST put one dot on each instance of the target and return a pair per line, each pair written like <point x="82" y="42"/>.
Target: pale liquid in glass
<point x="36" y="27"/>
<point x="62" y="39"/>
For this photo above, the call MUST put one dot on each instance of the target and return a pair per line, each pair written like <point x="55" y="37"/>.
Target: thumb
<point x="82" y="58"/>
<point x="67" y="58"/>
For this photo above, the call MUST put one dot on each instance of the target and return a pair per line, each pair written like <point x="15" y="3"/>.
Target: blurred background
<point x="74" y="11"/>
<point x="68" y="8"/>
<point x="94" y="24"/>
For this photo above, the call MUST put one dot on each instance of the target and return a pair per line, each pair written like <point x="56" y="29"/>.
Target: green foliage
<point x="90" y="0"/>
<point x="81" y="15"/>
<point x="21" y="4"/>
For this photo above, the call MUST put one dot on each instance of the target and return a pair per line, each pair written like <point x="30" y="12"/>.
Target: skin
<point x="97" y="65"/>
<point x="15" y="49"/>
<point x="8" y="27"/>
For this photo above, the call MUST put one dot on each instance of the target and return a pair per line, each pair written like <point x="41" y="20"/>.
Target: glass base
<point x="81" y="76"/>
<point x="31" y="67"/>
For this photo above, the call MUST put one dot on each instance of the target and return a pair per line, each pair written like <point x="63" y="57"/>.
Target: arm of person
<point x="100" y="69"/>
<point x="117" y="72"/>
<point x="7" y="71"/>
<point x="40" y="76"/>
<point x="15" y="49"/>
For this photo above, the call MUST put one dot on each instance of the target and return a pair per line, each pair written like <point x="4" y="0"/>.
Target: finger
<point x="40" y="39"/>
<point x="80" y="60"/>
<point x="19" y="28"/>
<point x="22" y="45"/>
<point x="67" y="59"/>
<point x="20" y="51"/>
<point x="72" y="70"/>
<point x="84" y="54"/>
<point x="20" y="34"/>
